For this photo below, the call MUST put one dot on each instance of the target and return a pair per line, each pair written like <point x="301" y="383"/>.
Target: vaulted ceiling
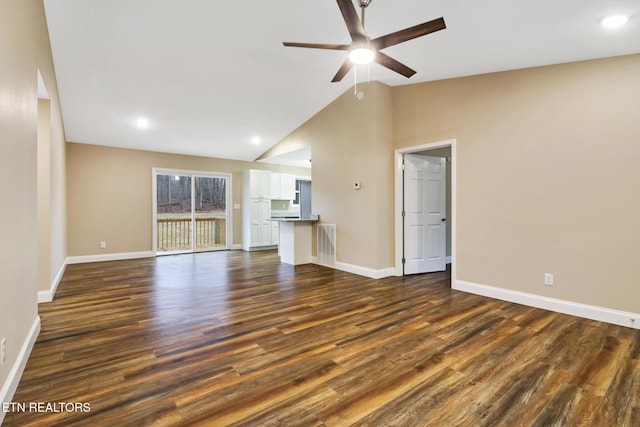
<point x="212" y="77"/>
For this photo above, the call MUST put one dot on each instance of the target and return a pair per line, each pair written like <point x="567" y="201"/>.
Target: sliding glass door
<point x="173" y="213"/>
<point x="210" y="213"/>
<point x="190" y="211"/>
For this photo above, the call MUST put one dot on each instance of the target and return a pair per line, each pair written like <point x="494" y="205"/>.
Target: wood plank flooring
<point x="236" y="338"/>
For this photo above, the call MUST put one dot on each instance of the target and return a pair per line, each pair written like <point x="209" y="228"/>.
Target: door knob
<point x="443" y="219"/>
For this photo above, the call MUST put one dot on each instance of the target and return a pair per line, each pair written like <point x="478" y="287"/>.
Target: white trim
<point x="364" y="271"/>
<point x="447" y="260"/>
<point x="47" y="296"/>
<point x="109" y="257"/>
<point x="236" y="247"/>
<point x="602" y="314"/>
<point x="356" y="269"/>
<point x="154" y="210"/>
<point x="13" y="379"/>
<point x="398" y="200"/>
<point x="259" y="248"/>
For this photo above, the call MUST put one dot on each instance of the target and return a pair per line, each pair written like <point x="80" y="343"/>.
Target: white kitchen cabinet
<point x="256" y="210"/>
<point x="287" y="186"/>
<point x="274" y="185"/>
<point x="282" y="186"/>
<point x="261" y="233"/>
<point x="259" y="183"/>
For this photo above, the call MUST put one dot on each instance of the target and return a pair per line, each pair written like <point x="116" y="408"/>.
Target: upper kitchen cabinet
<point x="282" y="186"/>
<point x="259" y="183"/>
<point x="274" y="185"/>
<point x="287" y="186"/>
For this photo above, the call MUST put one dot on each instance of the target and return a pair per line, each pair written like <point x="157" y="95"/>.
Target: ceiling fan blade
<point x="356" y="30"/>
<point x="409" y="33"/>
<point x="344" y="69"/>
<point x="392" y="64"/>
<point x="318" y="45"/>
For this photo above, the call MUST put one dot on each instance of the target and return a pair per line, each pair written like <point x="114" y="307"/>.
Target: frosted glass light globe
<point x="361" y="55"/>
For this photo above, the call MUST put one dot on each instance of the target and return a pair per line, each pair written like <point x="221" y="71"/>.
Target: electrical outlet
<point x="103" y="244"/>
<point x="548" y="279"/>
<point x="3" y="350"/>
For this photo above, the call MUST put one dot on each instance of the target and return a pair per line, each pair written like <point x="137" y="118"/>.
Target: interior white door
<point x="425" y="214"/>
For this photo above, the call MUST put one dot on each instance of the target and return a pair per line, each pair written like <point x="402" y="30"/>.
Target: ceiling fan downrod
<point x="363" y="6"/>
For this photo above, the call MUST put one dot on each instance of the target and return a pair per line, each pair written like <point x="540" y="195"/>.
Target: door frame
<point x="183" y="172"/>
<point x="399" y="200"/>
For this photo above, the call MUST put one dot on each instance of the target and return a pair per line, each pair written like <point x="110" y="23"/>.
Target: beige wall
<point x="24" y="48"/>
<point x="351" y="141"/>
<point x="57" y="184"/>
<point x="43" y="166"/>
<point x="51" y="183"/>
<point x="110" y="197"/>
<point x="547" y="175"/>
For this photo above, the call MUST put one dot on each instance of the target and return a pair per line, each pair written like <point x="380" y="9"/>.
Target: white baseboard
<point x="602" y="314"/>
<point x="259" y="248"/>
<point x="47" y="296"/>
<point x="11" y="384"/>
<point x="109" y="257"/>
<point x="365" y="271"/>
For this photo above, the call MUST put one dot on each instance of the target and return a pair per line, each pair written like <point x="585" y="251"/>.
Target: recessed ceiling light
<point x="256" y="140"/>
<point x="614" y="21"/>
<point x="142" y="123"/>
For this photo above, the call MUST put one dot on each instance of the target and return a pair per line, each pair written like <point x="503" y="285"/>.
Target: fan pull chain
<point x="355" y="78"/>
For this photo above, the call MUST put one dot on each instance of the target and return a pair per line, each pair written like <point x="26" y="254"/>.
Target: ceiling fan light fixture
<point x="362" y="55"/>
<point x="364" y="50"/>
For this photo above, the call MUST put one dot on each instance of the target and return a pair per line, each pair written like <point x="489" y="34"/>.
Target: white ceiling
<point x="210" y="75"/>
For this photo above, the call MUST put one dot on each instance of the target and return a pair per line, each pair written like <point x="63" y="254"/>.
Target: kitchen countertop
<point x="312" y="218"/>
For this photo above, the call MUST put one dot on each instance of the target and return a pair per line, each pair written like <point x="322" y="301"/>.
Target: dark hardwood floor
<point x="236" y="338"/>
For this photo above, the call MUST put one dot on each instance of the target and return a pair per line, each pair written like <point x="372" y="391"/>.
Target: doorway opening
<point x="190" y="211"/>
<point x="426" y="228"/>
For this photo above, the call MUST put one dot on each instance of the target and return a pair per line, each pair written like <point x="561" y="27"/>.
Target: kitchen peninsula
<point x="295" y="239"/>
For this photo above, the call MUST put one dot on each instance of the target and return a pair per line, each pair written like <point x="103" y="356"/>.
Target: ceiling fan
<point x="363" y="49"/>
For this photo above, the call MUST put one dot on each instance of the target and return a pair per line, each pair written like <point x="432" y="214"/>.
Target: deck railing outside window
<point x="176" y="234"/>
